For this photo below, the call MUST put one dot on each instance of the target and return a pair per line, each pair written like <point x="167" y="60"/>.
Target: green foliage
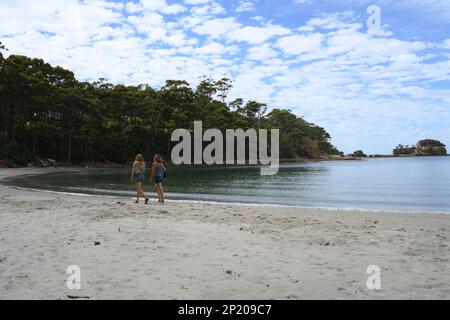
<point x="2" y="47"/>
<point x="46" y="113"/>
<point x="430" y="143"/>
<point x="423" y="147"/>
<point x="404" y="150"/>
<point x="14" y="153"/>
<point x="299" y="138"/>
<point x="359" y="154"/>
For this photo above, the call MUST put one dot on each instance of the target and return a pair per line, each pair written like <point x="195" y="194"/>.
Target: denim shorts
<point x="139" y="178"/>
<point x="159" y="179"/>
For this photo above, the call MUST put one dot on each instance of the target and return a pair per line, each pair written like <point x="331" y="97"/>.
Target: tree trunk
<point x="34" y="141"/>
<point x="12" y="133"/>
<point x="5" y="122"/>
<point x="69" y="146"/>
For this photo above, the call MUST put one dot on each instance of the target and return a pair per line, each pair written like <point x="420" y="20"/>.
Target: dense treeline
<point x="45" y="112"/>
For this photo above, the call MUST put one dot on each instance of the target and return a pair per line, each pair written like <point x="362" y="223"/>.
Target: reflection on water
<point x="410" y="184"/>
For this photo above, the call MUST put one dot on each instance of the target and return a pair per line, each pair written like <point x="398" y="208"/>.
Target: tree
<point x="45" y="112"/>
<point x="298" y="138"/>
<point x="254" y="111"/>
<point x="223" y="87"/>
<point x="2" y="47"/>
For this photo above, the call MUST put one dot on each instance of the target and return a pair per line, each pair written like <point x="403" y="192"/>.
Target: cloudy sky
<point x="371" y="88"/>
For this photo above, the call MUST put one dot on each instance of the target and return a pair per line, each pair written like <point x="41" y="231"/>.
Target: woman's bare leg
<point x="138" y="191"/>
<point x="157" y="192"/>
<point x="143" y="195"/>
<point x="161" y="192"/>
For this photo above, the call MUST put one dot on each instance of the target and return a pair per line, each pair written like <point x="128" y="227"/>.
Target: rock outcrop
<point x="426" y="147"/>
<point x="431" y="147"/>
<point x="358" y="154"/>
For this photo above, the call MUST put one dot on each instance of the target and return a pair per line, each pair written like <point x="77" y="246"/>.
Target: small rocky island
<point x="357" y="154"/>
<point x="426" y="147"/>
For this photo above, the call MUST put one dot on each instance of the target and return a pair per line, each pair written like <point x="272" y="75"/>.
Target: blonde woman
<point x="138" y="177"/>
<point x="158" y="174"/>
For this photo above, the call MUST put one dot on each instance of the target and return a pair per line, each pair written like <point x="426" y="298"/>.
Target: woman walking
<point x="158" y="174"/>
<point x="138" y="177"/>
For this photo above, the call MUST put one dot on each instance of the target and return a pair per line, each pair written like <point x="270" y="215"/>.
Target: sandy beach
<point x="213" y="251"/>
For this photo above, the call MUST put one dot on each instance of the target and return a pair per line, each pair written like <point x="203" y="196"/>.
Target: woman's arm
<point x="153" y="171"/>
<point x="133" y="171"/>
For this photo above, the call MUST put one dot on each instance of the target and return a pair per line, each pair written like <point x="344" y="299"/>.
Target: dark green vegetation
<point x="46" y="113"/>
<point x="358" y="154"/>
<point x="427" y="147"/>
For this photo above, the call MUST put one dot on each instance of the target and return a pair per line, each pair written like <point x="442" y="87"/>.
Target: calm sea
<point x="404" y="184"/>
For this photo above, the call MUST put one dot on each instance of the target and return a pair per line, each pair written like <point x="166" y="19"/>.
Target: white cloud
<point x="245" y="6"/>
<point x="256" y="35"/>
<point x="215" y="48"/>
<point x="173" y="9"/>
<point x="196" y="2"/>
<point x="61" y="17"/>
<point x="217" y="27"/>
<point x="162" y="6"/>
<point x="261" y="53"/>
<point x="151" y="24"/>
<point x="299" y="44"/>
<point x="329" y="69"/>
<point x="258" y="18"/>
<point x="132" y="7"/>
<point x="340" y="20"/>
<point x="209" y="10"/>
<point x="447" y="44"/>
<point x="303" y="2"/>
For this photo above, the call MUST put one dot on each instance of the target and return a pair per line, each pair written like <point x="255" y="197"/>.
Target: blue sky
<point x="371" y="89"/>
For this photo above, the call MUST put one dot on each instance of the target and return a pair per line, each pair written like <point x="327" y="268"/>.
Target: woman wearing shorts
<point x="158" y="174"/>
<point x="138" y="177"/>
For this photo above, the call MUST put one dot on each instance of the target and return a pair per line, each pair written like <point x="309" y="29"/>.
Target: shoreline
<point x="238" y="204"/>
<point x="107" y="165"/>
<point x="39" y="171"/>
<point x="213" y="251"/>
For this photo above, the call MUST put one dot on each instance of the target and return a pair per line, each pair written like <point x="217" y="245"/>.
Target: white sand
<point x="205" y="251"/>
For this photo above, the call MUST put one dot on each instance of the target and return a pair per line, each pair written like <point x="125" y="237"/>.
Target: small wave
<point x="121" y="194"/>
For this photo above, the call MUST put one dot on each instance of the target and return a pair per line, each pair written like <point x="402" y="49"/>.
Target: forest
<point x="46" y="113"/>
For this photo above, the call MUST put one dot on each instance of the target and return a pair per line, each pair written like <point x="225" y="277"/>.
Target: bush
<point x="15" y="153"/>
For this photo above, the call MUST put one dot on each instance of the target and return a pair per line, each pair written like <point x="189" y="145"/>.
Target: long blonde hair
<point x="139" y="158"/>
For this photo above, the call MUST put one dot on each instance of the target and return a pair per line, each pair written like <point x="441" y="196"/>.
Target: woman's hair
<point x="139" y="158"/>
<point x="158" y="158"/>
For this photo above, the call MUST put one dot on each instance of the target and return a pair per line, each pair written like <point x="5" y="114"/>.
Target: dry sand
<point x="213" y="251"/>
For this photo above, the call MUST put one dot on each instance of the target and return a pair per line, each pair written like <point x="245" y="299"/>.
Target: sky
<point x="371" y="83"/>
